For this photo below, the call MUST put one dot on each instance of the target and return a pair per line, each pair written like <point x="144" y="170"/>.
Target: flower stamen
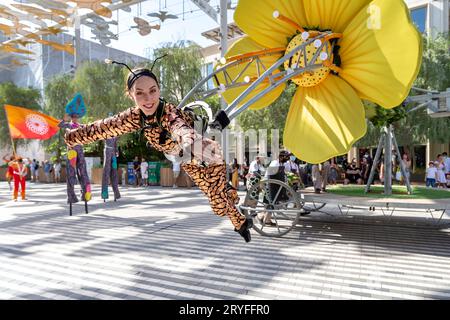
<point x="332" y="66"/>
<point x="277" y="15"/>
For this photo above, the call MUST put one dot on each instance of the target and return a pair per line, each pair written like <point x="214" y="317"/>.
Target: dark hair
<point x="138" y="73"/>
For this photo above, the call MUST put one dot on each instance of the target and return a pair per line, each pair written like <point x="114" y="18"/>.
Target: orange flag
<point x="30" y="124"/>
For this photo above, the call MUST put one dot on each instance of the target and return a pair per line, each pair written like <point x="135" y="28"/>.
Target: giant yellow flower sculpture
<point x="377" y="57"/>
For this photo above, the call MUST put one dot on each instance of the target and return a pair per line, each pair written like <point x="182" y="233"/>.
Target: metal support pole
<point x="388" y="161"/>
<point x="375" y="162"/>
<point x="77" y="40"/>
<point x="402" y="166"/>
<point x="223" y="50"/>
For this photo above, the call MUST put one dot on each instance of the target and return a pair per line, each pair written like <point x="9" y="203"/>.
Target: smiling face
<point x="145" y="93"/>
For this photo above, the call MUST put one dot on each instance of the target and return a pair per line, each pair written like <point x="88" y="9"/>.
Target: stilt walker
<point x="76" y="164"/>
<point x="110" y="155"/>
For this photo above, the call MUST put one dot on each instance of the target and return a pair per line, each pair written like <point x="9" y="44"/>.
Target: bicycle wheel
<point x="274" y="207"/>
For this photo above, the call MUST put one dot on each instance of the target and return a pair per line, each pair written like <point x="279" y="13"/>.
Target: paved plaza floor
<point x="164" y="243"/>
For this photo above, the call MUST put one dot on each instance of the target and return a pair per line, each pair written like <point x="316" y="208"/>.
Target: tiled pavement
<point x="163" y="243"/>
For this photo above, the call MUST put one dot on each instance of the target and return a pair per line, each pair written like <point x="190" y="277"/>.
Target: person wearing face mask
<point x="353" y="173"/>
<point x="170" y="130"/>
<point x="76" y="164"/>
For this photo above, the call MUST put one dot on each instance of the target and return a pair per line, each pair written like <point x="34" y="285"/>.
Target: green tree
<point x="21" y="97"/>
<point x="179" y="71"/>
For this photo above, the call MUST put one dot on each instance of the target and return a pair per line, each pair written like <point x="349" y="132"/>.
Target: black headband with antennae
<point x="163" y="56"/>
<point x="108" y="61"/>
<point x="139" y="73"/>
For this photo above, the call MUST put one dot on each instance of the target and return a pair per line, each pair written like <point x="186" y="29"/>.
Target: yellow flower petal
<point x="332" y="14"/>
<point x="256" y="19"/>
<point x="381" y="53"/>
<point x="242" y="46"/>
<point x="324" y="121"/>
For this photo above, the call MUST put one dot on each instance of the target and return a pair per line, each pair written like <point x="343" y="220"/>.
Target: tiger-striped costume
<point x="168" y="131"/>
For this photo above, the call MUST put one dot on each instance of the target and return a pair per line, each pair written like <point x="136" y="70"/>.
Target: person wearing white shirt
<point x="57" y="170"/>
<point x="255" y="166"/>
<point x="431" y="175"/>
<point x="144" y="172"/>
<point x="291" y="166"/>
<point x="176" y="172"/>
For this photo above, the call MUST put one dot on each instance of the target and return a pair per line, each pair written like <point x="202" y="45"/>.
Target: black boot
<point x="244" y="231"/>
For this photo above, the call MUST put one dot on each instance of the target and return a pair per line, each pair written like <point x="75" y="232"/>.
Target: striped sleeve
<point x="119" y="124"/>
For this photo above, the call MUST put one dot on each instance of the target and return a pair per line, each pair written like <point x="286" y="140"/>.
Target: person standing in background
<point x="144" y="173"/>
<point x="431" y="175"/>
<point x="36" y="171"/>
<point x="441" y="178"/>
<point x="235" y="174"/>
<point x="57" y="170"/>
<point x="47" y="170"/>
<point x="176" y="168"/>
<point x="324" y="174"/>
<point x="137" y="171"/>
<point x="110" y="167"/>
<point x="33" y="170"/>
<point x="19" y="175"/>
<point x="316" y="177"/>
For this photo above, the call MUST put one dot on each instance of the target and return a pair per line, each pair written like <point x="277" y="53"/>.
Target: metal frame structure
<point x="427" y="100"/>
<point x="270" y="74"/>
<point x="287" y="213"/>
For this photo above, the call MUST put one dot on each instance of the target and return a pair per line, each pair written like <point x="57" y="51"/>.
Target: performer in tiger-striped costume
<point x="169" y="130"/>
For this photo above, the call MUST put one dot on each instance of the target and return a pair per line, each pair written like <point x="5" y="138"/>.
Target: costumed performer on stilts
<point x="110" y="155"/>
<point x="76" y="164"/>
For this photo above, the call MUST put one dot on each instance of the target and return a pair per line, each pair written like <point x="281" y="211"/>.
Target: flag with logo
<point x="29" y="124"/>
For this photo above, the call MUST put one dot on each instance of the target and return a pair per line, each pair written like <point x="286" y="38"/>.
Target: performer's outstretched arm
<point x="124" y="122"/>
